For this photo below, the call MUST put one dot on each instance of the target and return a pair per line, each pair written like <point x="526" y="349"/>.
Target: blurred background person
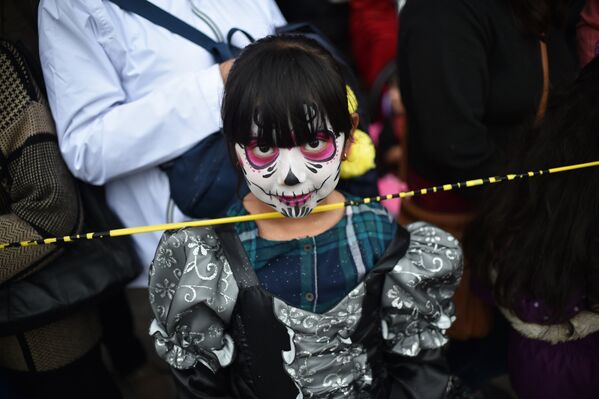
<point x="373" y="28"/>
<point x="49" y="321"/>
<point x="128" y="96"/>
<point x="474" y="76"/>
<point x="535" y="245"/>
<point x="588" y="32"/>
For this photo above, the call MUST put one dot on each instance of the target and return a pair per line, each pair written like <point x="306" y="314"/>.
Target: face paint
<point x="293" y="180"/>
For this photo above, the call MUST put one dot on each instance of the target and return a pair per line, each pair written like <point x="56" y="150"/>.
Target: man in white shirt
<point x="128" y="95"/>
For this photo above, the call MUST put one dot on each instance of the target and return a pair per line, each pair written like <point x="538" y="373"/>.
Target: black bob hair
<point x="537" y="239"/>
<point x="273" y="83"/>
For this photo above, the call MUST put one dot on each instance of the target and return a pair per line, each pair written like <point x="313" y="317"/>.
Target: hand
<point x="225" y="68"/>
<point x="396" y="103"/>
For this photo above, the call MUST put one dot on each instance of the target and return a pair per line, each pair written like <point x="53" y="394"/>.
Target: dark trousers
<point x="477" y="361"/>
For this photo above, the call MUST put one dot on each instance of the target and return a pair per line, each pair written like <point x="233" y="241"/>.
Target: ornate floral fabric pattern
<point x="417" y="293"/>
<point x="323" y="361"/>
<point x="192" y="292"/>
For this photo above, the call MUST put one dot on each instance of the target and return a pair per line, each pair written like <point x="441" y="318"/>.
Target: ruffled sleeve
<point x="192" y="293"/>
<point x="417" y="293"/>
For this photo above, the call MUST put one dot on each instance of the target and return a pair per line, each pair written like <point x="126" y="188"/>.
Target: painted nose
<point x="291" y="179"/>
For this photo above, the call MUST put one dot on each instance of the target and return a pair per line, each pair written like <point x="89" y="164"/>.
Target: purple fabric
<point x="531" y="311"/>
<point x="541" y="370"/>
<point x="536" y="312"/>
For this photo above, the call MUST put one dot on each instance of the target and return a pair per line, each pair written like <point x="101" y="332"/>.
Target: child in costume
<point x="539" y="254"/>
<point x="344" y="303"/>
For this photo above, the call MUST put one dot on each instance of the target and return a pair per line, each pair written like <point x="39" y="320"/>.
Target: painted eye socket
<point x="315" y="146"/>
<point x="322" y="148"/>
<point x="263" y="151"/>
<point x="260" y="156"/>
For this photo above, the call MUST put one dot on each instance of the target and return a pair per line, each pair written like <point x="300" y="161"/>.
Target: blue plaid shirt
<point x="314" y="273"/>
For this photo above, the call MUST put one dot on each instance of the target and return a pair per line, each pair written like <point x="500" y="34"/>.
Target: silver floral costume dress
<point x="225" y="336"/>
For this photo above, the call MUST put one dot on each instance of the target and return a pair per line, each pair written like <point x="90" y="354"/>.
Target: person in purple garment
<point x="536" y="246"/>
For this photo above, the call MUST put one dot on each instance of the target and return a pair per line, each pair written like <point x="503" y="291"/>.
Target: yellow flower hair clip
<point x="361" y="154"/>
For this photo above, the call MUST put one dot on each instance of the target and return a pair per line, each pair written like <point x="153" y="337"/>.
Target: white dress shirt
<point x="128" y="95"/>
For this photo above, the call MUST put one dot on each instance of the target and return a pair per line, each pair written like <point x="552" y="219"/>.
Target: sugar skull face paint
<point x="293" y="180"/>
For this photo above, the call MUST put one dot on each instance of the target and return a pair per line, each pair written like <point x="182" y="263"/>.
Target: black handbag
<point x="86" y="272"/>
<point x="83" y="273"/>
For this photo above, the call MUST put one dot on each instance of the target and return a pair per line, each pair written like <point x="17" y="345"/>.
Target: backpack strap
<point x="220" y="51"/>
<point x="545" y="93"/>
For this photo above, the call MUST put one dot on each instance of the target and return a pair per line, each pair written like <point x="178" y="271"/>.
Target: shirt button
<point x="309" y="296"/>
<point x="308" y="247"/>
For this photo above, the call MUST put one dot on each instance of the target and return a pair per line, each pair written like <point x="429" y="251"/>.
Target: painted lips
<point x="295" y="200"/>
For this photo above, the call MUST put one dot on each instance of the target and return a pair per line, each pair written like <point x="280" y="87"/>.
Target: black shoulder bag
<point x="203" y="181"/>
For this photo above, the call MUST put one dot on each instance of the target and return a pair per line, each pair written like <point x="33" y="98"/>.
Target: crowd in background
<point x="448" y="90"/>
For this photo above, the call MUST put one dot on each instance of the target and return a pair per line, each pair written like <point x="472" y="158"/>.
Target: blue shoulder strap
<point x="220" y="51"/>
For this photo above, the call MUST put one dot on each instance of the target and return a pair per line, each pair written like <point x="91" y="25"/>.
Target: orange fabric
<point x="474" y="318"/>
